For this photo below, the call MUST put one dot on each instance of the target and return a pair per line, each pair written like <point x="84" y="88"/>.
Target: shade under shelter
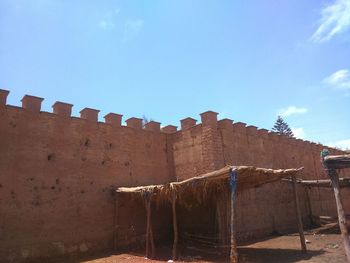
<point x="226" y="181"/>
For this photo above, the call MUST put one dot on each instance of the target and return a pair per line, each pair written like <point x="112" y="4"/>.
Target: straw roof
<point x="247" y="177"/>
<point x="337" y="161"/>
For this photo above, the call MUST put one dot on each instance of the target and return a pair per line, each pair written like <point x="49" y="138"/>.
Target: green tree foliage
<point x="281" y="127"/>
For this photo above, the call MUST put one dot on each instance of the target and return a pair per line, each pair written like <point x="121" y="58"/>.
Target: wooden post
<point x="331" y="163"/>
<point x="298" y="215"/>
<point x="174" y="225"/>
<point x="148" y="209"/>
<point x="153" y="247"/>
<point x="233" y="252"/>
<point x="309" y="207"/>
<point x="115" y="223"/>
<point x="341" y="215"/>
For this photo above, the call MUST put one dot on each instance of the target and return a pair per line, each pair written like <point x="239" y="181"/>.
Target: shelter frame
<point x="238" y="177"/>
<point x="331" y="165"/>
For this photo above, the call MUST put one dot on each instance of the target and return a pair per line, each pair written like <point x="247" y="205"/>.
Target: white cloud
<point x="335" y="19"/>
<point x="298" y="132"/>
<point x="342" y="144"/>
<point x="108" y="22"/>
<point x="132" y="28"/>
<point x="292" y="110"/>
<point x="339" y="79"/>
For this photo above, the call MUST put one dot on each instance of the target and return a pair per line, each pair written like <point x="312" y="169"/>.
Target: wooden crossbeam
<point x="343" y="182"/>
<point x="337" y="161"/>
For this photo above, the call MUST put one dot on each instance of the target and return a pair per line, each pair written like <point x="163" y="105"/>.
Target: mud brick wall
<point x="57" y="173"/>
<point x="56" y="176"/>
<point x="205" y="147"/>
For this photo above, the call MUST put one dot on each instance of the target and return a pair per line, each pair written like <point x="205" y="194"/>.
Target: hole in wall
<point x="51" y="157"/>
<point x="87" y="143"/>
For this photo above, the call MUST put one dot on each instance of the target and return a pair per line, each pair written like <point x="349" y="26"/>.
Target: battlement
<point x="3" y="97"/>
<point x="209" y="118"/>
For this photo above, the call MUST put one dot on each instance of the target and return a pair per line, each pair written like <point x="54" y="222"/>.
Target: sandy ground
<point x="324" y="245"/>
<point x="322" y="248"/>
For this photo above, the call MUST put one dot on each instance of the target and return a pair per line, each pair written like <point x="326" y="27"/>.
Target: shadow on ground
<point x="275" y="255"/>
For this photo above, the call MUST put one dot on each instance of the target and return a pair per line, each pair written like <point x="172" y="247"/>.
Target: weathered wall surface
<point x="56" y="175"/>
<point x="205" y="147"/>
<point x="57" y="172"/>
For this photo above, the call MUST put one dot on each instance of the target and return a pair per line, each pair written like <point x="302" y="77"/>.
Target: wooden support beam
<point x="343" y="182"/>
<point x="298" y="216"/>
<point x="331" y="163"/>
<point x="309" y="206"/>
<point x="341" y="215"/>
<point x="153" y="247"/>
<point x="148" y="226"/>
<point x="233" y="251"/>
<point x="115" y="220"/>
<point x="176" y="237"/>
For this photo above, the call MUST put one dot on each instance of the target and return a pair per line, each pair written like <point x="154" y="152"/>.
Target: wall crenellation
<point x="263" y="133"/>
<point x="114" y="119"/>
<point x="89" y="114"/>
<point x="152" y="126"/>
<point x="169" y="129"/>
<point x="187" y="123"/>
<point x="226" y="124"/>
<point x="3" y="97"/>
<point x="252" y="130"/>
<point x="63" y="109"/>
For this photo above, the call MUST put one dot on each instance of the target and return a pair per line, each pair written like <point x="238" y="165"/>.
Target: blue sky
<point x="167" y="60"/>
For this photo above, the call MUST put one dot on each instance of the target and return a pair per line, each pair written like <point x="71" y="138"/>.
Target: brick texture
<point x="57" y="176"/>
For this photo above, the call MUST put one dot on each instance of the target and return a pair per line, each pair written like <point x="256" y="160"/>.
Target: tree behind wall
<point x="282" y="127"/>
<point x="145" y="120"/>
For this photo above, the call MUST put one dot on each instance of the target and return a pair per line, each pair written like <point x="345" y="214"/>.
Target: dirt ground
<point x="323" y="246"/>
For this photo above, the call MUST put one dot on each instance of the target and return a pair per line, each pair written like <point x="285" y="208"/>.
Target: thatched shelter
<point x="332" y="164"/>
<point x="224" y="182"/>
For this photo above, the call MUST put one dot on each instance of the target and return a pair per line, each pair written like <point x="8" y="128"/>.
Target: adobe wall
<point x="56" y="175"/>
<point x="57" y="172"/>
<point x="201" y="148"/>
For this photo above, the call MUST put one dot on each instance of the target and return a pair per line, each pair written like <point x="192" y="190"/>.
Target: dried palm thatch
<point x="211" y="183"/>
